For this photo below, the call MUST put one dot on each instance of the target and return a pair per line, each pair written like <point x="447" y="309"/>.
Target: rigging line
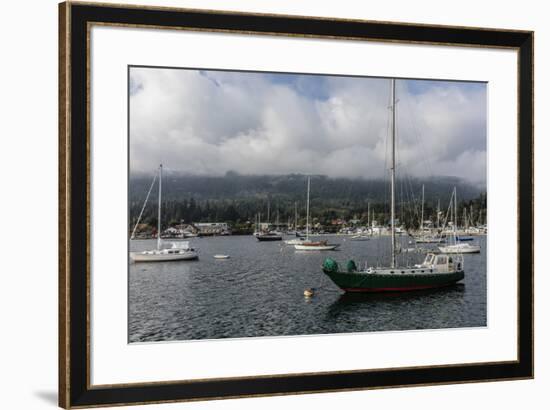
<point x="407" y="177"/>
<point x="447" y="216"/>
<point x="412" y="199"/>
<point x="143" y="207"/>
<point x="386" y="149"/>
<point x="385" y="169"/>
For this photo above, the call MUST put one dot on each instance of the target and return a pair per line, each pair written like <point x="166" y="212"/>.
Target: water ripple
<point x="259" y="292"/>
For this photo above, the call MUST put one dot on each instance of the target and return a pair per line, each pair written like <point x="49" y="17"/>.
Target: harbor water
<point x="259" y="291"/>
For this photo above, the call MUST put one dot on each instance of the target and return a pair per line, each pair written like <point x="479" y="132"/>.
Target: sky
<point x="207" y="122"/>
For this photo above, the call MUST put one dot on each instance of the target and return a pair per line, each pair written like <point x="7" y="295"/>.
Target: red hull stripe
<point x="404" y="289"/>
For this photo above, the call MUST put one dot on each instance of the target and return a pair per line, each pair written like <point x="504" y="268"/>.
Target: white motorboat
<point x="460" y="248"/>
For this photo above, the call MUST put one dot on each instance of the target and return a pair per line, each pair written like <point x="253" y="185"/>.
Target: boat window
<point x="441" y="260"/>
<point x="429" y="259"/>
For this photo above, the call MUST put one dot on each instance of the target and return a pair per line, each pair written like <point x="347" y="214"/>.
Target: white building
<point x="212" y="228"/>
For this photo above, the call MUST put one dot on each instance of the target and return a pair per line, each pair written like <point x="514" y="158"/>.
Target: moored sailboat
<point x="177" y="252"/>
<point x="307" y="244"/>
<point x="315" y="246"/>
<point x="426" y="235"/>
<point x="267" y="235"/>
<point x="436" y="270"/>
<point x="455" y="246"/>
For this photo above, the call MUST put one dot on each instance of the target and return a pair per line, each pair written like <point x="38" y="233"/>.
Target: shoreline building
<point x="212" y="228"/>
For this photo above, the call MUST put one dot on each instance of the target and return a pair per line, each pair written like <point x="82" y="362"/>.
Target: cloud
<point x="211" y="122"/>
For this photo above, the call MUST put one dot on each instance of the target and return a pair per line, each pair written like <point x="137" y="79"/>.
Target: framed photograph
<point x="257" y="205"/>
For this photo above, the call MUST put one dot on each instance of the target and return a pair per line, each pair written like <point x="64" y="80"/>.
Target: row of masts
<point x="467" y="217"/>
<point x="258" y="217"/>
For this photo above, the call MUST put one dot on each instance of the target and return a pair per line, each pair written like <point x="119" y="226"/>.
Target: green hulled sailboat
<point x="436" y="270"/>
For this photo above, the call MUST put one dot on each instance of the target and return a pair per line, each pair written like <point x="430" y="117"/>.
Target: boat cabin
<point x="443" y="262"/>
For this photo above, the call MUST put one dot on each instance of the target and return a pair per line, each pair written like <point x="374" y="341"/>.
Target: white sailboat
<point x="178" y="250"/>
<point x="298" y="240"/>
<point x="269" y="235"/>
<point x="455" y="246"/>
<point x="425" y="235"/>
<point x="307" y="244"/>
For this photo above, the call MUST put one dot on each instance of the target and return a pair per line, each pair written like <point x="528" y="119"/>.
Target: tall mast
<point x="422" y="213"/>
<point x="143" y="208"/>
<point x="368" y="214"/>
<point x="307" y="208"/>
<point x="393" y="174"/>
<point x="160" y="201"/>
<point x="295" y="216"/>
<point x="455" y="222"/>
<point x="438" y="211"/>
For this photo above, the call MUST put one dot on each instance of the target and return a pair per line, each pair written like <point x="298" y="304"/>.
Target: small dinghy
<point x="221" y="256"/>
